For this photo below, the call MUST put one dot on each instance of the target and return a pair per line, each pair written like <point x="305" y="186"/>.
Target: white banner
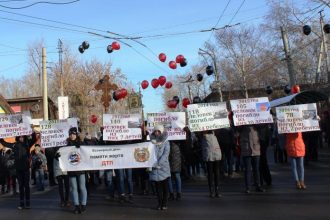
<point x="63" y="107"/>
<point x="54" y="133"/>
<point x="207" y="116"/>
<point x="297" y="118"/>
<point x="251" y="111"/>
<point x="107" y="157"/>
<point x="174" y="122"/>
<point x="12" y="126"/>
<point x="119" y="127"/>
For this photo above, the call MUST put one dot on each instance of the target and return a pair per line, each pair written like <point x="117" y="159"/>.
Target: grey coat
<point x="161" y="169"/>
<point x="249" y="141"/>
<point x="57" y="169"/>
<point x="210" y="147"/>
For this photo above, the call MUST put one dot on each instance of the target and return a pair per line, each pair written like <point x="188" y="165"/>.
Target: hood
<point x="160" y="139"/>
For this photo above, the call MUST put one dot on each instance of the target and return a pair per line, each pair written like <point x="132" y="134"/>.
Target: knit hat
<point x="73" y="130"/>
<point x="159" y="127"/>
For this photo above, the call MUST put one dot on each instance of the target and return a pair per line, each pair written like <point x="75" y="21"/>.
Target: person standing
<point x="211" y="153"/>
<point x="295" y="148"/>
<point x="77" y="178"/>
<point x="22" y="156"/>
<point x="175" y="165"/>
<point x="161" y="171"/>
<point x="250" y="152"/>
<point x="39" y="164"/>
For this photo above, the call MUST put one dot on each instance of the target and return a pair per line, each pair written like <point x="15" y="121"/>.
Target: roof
<point x="300" y="98"/>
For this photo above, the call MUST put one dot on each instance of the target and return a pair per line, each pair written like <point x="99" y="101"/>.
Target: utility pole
<point x="325" y="47"/>
<point x="244" y="78"/>
<point x="216" y="73"/>
<point x="288" y="56"/>
<point x="60" y="51"/>
<point x="44" y="84"/>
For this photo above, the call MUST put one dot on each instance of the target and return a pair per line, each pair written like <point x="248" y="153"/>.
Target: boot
<point x="302" y="184"/>
<point x="178" y="196"/>
<point x="76" y="209"/>
<point x="217" y="194"/>
<point x="83" y="208"/>
<point x="212" y="195"/>
<point x="171" y="198"/>
<point x="298" y="185"/>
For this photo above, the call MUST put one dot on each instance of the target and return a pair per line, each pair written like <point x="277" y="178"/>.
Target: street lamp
<point x="216" y="84"/>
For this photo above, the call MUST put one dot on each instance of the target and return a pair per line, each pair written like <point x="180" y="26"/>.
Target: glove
<point x="57" y="155"/>
<point x="77" y="145"/>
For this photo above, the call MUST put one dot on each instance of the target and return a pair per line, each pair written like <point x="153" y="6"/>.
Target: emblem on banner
<point x="74" y="158"/>
<point x="141" y="155"/>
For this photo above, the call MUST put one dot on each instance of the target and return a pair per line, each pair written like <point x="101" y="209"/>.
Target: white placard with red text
<point x="120" y="127"/>
<point x="54" y="133"/>
<point x="251" y="111"/>
<point x="173" y="122"/>
<point x="297" y="118"/>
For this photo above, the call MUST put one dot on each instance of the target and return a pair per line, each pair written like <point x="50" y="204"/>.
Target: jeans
<point x="177" y="182"/>
<point x="23" y="177"/>
<point x="121" y="174"/>
<point x="108" y="176"/>
<point x="254" y="162"/>
<point x="297" y="166"/>
<point x="40" y="179"/>
<point x="81" y="180"/>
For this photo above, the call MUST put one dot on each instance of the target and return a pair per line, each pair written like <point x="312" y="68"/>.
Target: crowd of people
<point x="216" y="154"/>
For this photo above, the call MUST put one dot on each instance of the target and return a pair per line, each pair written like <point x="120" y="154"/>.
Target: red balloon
<point x="115" y="45"/>
<point x="179" y="58"/>
<point x="162" y="80"/>
<point x="144" y="84"/>
<point x="162" y="57"/>
<point x="93" y="119"/>
<point x="168" y="85"/>
<point x="295" y="89"/>
<point x="154" y="83"/>
<point x="172" y="64"/>
<point x="185" y="102"/>
<point x="171" y="103"/>
<point x="123" y="93"/>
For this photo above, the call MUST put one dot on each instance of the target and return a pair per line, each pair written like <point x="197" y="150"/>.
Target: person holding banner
<point x="295" y="148"/>
<point x="211" y="153"/>
<point x="77" y="178"/>
<point x="161" y="171"/>
<point x="22" y="156"/>
<point x="250" y="152"/>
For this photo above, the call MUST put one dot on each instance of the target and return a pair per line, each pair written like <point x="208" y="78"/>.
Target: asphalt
<point x="280" y="201"/>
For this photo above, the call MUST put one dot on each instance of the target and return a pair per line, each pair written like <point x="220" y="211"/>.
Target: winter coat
<point x="161" y="169"/>
<point x="175" y="157"/>
<point x="39" y="161"/>
<point x="210" y="147"/>
<point x="295" y="146"/>
<point x="249" y="141"/>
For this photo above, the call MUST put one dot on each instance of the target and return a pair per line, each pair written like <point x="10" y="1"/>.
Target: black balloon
<point x="81" y="49"/>
<point x="269" y="90"/>
<point x="114" y="96"/>
<point x="85" y="45"/>
<point x="307" y="29"/>
<point x="209" y="70"/>
<point x="177" y="99"/>
<point x="183" y="63"/>
<point x="287" y="89"/>
<point x="109" y="49"/>
<point x="326" y="28"/>
<point x="199" y="77"/>
<point x="197" y="99"/>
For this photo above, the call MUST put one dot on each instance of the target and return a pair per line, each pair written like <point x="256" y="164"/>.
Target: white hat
<point x="159" y="127"/>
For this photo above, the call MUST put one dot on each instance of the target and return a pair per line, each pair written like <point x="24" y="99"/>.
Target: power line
<point x="41" y="2"/>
